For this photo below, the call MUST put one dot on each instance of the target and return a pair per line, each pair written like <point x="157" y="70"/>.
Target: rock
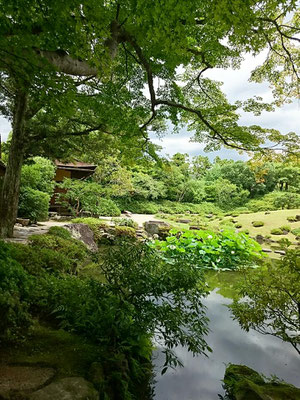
<point x="75" y="388"/>
<point x="153" y="227"/>
<point x="297" y="217"/>
<point x="23" y="221"/>
<point x="15" y="378"/>
<point x="209" y="215"/>
<point x="194" y="228"/>
<point x="183" y="221"/>
<point x="85" y="214"/>
<point x="260" y="239"/>
<point x="53" y="214"/>
<point x="267" y="212"/>
<point x="243" y="383"/>
<point x="128" y="213"/>
<point x="83" y="233"/>
<point x="267" y="250"/>
<point x="281" y="252"/>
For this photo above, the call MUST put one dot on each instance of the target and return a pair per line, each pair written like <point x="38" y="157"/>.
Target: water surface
<point x="200" y="379"/>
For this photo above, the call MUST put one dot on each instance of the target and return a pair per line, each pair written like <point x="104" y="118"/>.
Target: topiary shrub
<point x="292" y="219"/>
<point x="277" y="231"/>
<point x="125" y="231"/>
<point x="33" y="204"/>
<point x="257" y="224"/>
<point x="108" y="208"/>
<point x="71" y="252"/>
<point x="296" y="232"/>
<point x="125" y="222"/>
<point x="285" y="228"/>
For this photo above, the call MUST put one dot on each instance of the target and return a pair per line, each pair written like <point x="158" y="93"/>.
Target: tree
<point x="118" y="48"/>
<point x="271" y="301"/>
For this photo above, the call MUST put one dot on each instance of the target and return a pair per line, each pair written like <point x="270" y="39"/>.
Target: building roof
<point x="75" y="166"/>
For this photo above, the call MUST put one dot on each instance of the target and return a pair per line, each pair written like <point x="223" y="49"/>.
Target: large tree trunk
<point x="9" y="197"/>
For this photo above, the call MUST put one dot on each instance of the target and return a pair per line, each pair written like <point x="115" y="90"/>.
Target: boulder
<point x="83" y="233"/>
<point x="194" y="228"/>
<point x="183" y="221"/>
<point x="297" y="217"/>
<point x="243" y="383"/>
<point x="75" y="388"/>
<point x="23" y="221"/>
<point x="16" y="379"/>
<point x="128" y="213"/>
<point x="267" y="250"/>
<point x="260" y="239"/>
<point x="281" y="252"/>
<point x="154" y="227"/>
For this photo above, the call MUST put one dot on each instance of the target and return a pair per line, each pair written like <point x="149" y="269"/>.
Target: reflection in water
<point x="200" y="379"/>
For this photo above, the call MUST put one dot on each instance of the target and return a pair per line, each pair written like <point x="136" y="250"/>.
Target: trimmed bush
<point x="277" y="231"/>
<point x="33" y="204"/>
<point x="126" y="231"/>
<point x="286" y="228"/>
<point x="292" y="219"/>
<point x="296" y="232"/>
<point x="257" y="224"/>
<point x="125" y="222"/>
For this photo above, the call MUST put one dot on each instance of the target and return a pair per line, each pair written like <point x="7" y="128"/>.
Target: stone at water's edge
<point x="83" y="233"/>
<point x="154" y="227"/>
<point x="75" y="388"/>
<point x="15" y="378"/>
<point x="243" y="383"/>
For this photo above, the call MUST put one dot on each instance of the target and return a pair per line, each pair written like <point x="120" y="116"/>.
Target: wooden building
<point x="77" y="170"/>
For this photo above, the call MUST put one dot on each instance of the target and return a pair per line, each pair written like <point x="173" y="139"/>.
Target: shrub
<point x="71" y="251"/>
<point x="257" y="224"/>
<point x="38" y="174"/>
<point x="296" y="232"/>
<point x="125" y="222"/>
<point x="33" y="204"/>
<point x="15" y="287"/>
<point x="286" y="228"/>
<point x="60" y="232"/>
<point x="277" y="231"/>
<point x="126" y="231"/>
<point x="35" y="261"/>
<point x="292" y="219"/>
<point x="82" y="196"/>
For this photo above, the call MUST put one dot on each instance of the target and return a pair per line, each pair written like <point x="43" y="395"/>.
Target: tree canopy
<point x="69" y="69"/>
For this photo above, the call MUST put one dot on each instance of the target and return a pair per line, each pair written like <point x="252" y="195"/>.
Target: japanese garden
<point x="149" y="200"/>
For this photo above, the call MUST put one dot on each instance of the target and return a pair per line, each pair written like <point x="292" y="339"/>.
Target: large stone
<point x="83" y="233"/>
<point x="243" y="383"/>
<point x="23" y="221"/>
<point x="75" y="388"/>
<point x="183" y="221"/>
<point x="15" y="378"/>
<point x="154" y="227"/>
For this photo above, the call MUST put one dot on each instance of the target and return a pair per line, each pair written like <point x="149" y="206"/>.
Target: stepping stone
<point x="22" y="378"/>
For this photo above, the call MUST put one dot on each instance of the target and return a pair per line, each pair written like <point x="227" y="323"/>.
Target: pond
<point x="200" y="379"/>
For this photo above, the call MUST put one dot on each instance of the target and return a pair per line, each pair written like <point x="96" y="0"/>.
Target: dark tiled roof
<point x="77" y="165"/>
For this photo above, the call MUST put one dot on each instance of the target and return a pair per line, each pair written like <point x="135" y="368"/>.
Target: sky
<point x="237" y="87"/>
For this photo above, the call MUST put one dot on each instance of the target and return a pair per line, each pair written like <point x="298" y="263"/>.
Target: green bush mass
<point x="257" y="224"/>
<point x="277" y="231"/>
<point x="33" y="204"/>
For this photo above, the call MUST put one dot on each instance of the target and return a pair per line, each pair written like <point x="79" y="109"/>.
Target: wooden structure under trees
<point x="76" y="170"/>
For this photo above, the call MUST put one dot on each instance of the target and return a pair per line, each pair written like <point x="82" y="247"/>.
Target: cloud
<point x="5" y="128"/>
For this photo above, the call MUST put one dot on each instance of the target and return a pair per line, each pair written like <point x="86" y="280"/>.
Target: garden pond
<point x="201" y="377"/>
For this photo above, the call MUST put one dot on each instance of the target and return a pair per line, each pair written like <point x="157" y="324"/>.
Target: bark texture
<point x="11" y="183"/>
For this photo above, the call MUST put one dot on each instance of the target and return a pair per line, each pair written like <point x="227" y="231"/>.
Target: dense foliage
<point x="37" y="186"/>
<point x="270" y="302"/>
<point x="226" y="250"/>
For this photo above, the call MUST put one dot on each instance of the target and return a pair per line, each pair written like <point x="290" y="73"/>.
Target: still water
<point x="200" y="379"/>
